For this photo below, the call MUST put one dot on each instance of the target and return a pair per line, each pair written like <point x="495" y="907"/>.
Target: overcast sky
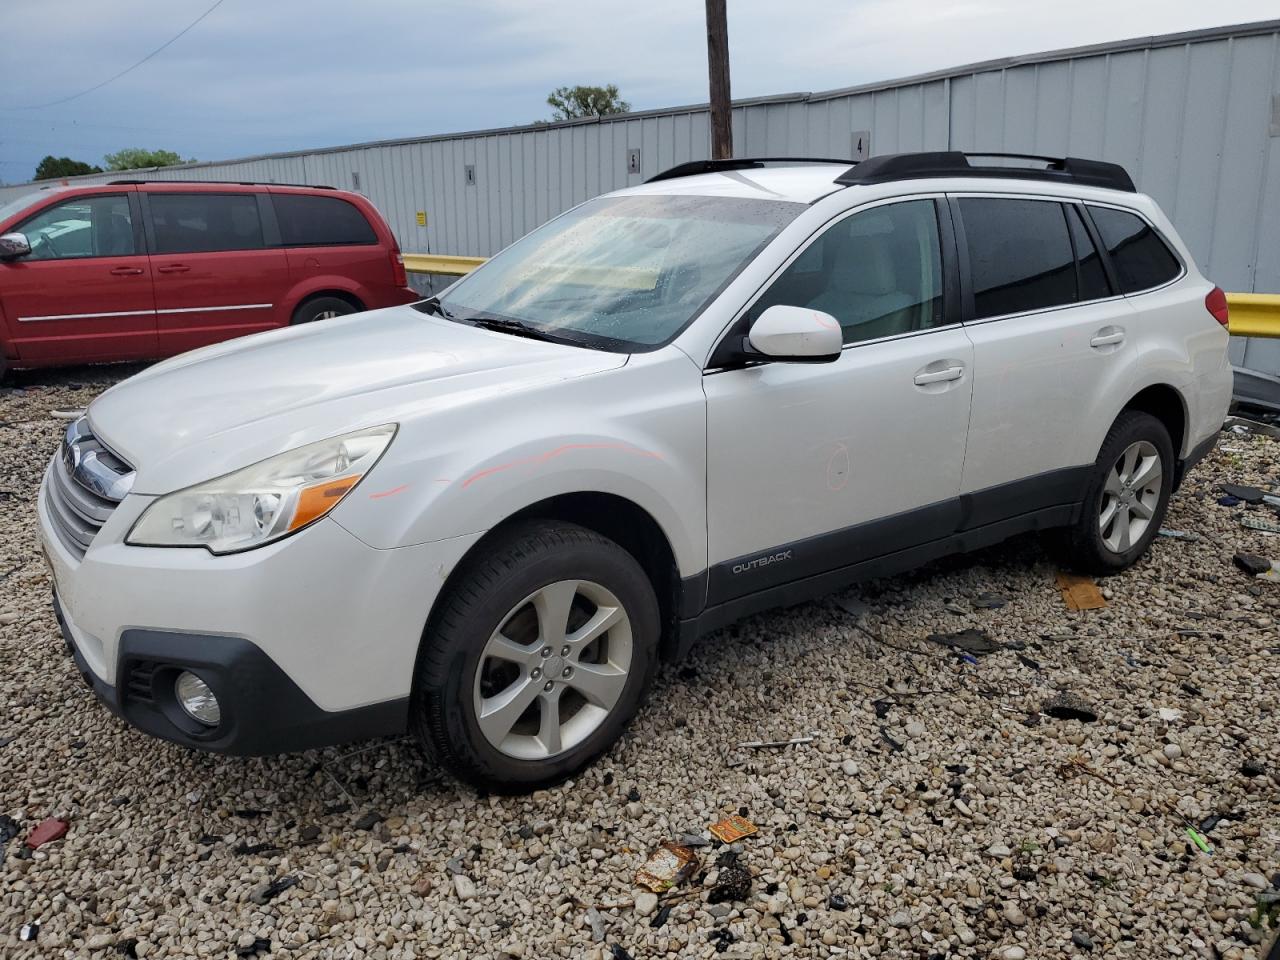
<point x="259" y="76"/>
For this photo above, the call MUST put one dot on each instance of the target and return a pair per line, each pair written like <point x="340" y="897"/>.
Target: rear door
<point x="1047" y="331"/>
<point x="217" y="273"/>
<point x="330" y="243"/>
<point x="84" y="293"/>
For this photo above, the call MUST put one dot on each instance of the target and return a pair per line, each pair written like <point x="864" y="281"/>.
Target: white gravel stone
<point x="646" y="903"/>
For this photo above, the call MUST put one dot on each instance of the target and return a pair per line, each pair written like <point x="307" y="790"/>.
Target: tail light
<point x="1215" y="301"/>
<point x="398" y="277"/>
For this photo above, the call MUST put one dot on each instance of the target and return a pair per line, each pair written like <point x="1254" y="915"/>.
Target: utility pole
<point x="718" y="69"/>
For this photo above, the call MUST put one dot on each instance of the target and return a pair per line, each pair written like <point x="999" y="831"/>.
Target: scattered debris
<point x="660" y="918"/>
<point x="1251" y="563"/>
<point x="837" y="901"/>
<point x="1257" y="523"/>
<point x="9" y="828"/>
<point x="256" y="849"/>
<point x="619" y="953"/>
<point x="722" y="937"/>
<point x="1198" y="840"/>
<point x="989" y="601"/>
<point x="733" y="828"/>
<point x="29" y="932"/>
<point x="1079" y="593"/>
<point x="733" y="882"/>
<point x="1272" y="572"/>
<point x="46" y="831"/>
<point x="1253" y="767"/>
<point x="270" y="891"/>
<point x="1067" y="706"/>
<point x="763" y="744"/>
<point x="368" y="821"/>
<point x="66" y="414"/>
<point x="1180" y="534"/>
<point x="974" y="642"/>
<point x="668" y="866"/>
<point x="1241" y="492"/>
<point x="259" y="945"/>
<point x="1229" y="501"/>
<point x="693" y="840"/>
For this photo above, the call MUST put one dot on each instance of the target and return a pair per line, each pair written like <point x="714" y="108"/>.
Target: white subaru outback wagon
<point x="487" y="517"/>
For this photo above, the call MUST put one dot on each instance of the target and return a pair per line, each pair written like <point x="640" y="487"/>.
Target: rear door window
<point x="1020" y="255"/>
<point x="1093" y="279"/>
<point x="309" y="221"/>
<point x="1141" y="259"/>
<point x="205" y="222"/>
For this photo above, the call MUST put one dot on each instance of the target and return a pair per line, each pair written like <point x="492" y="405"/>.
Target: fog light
<point x="197" y="699"/>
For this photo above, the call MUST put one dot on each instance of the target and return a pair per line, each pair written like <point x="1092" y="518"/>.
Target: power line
<point x="129" y="69"/>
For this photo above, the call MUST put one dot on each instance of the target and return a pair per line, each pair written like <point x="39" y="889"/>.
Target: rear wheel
<point x="323" y="308"/>
<point x="541" y="654"/>
<point x="1126" y="499"/>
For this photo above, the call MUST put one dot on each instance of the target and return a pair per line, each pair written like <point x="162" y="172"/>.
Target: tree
<point x="54" y="168"/>
<point x="573" y="102"/>
<point x="134" y="158"/>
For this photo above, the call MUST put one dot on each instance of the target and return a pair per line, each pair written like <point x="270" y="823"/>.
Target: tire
<point x="518" y="585"/>
<point x="1090" y="547"/>
<point x="323" y="308"/>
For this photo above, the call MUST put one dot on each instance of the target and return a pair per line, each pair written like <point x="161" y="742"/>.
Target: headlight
<point x="266" y="501"/>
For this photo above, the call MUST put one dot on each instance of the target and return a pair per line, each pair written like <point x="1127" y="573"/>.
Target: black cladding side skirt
<point x="800" y="571"/>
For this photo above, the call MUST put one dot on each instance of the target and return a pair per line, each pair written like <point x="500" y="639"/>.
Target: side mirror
<point x="797" y="335"/>
<point x="14" y="245"/>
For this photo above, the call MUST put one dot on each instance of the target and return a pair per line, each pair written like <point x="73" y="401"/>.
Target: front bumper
<point x="263" y="711"/>
<point x="307" y="641"/>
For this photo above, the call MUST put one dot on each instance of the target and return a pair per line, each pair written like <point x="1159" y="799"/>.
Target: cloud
<point x="258" y="77"/>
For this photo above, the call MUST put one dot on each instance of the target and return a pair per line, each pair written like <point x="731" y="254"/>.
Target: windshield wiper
<point x="517" y="328"/>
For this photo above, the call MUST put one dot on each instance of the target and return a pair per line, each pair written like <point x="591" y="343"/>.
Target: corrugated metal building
<point x="1195" y="117"/>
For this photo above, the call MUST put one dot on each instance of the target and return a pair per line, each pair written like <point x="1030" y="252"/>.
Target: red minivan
<point x="133" y="270"/>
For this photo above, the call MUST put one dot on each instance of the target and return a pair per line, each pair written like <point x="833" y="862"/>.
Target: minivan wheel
<point x="539" y="656"/>
<point x="323" y="308"/>
<point x="1126" y="499"/>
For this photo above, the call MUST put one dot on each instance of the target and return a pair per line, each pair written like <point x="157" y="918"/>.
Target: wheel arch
<point x="335" y="292"/>
<point x="615" y="517"/>
<point x="1166" y="404"/>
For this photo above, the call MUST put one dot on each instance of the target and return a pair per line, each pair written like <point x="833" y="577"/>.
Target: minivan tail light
<point x="1215" y="301"/>
<point x="398" y="275"/>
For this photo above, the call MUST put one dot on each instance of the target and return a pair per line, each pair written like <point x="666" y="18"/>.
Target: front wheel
<point x="540" y="655"/>
<point x="1126" y="499"/>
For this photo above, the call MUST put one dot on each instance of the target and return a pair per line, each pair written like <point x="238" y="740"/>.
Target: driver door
<point x="84" y="292"/>
<point x="815" y="467"/>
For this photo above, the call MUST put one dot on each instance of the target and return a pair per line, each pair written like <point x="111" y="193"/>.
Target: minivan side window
<point x="205" y="222"/>
<point x="310" y="221"/>
<point x="84" y="227"/>
<point x="878" y="272"/>
<point x="1020" y="255"/>
<point x="1141" y="259"/>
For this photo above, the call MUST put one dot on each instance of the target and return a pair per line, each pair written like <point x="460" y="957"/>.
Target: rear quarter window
<point x="307" y="221"/>
<point x="1139" y="254"/>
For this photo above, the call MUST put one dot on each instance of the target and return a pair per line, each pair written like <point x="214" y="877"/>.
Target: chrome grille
<point x="85" y="485"/>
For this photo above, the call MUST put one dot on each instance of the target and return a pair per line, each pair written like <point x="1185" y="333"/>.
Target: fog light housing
<point x="196" y="699"/>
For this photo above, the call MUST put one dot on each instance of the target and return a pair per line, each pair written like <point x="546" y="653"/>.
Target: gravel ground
<point x="937" y="811"/>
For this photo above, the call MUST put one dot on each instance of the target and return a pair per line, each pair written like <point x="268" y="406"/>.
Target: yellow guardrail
<point x="1252" y="314"/>
<point x="438" y="263"/>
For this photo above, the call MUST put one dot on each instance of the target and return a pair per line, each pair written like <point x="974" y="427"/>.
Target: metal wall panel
<point x="1188" y="114"/>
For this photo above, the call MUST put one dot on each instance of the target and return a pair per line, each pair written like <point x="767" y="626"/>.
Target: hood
<point x="205" y="413"/>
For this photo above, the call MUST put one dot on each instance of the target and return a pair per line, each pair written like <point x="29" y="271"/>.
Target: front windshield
<point x="621" y="273"/>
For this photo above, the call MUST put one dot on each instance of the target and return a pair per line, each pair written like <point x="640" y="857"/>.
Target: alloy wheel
<point x="553" y="670"/>
<point x="1130" y="496"/>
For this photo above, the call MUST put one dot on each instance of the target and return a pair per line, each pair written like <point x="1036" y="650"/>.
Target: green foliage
<point x="569" y="103"/>
<point x="53" y="168"/>
<point x="135" y="158"/>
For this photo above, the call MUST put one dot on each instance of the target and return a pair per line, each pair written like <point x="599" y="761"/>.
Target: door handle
<point x="939" y="376"/>
<point x="1107" y="339"/>
<point x="173" y="268"/>
<point x="127" y="271"/>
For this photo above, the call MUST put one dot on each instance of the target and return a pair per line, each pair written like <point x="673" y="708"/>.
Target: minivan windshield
<point x="618" y="273"/>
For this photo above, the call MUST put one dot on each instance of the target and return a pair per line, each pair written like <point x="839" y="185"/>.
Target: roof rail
<point x="953" y="163"/>
<point x="238" y="183"/>
<point x="695" y="167"/>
